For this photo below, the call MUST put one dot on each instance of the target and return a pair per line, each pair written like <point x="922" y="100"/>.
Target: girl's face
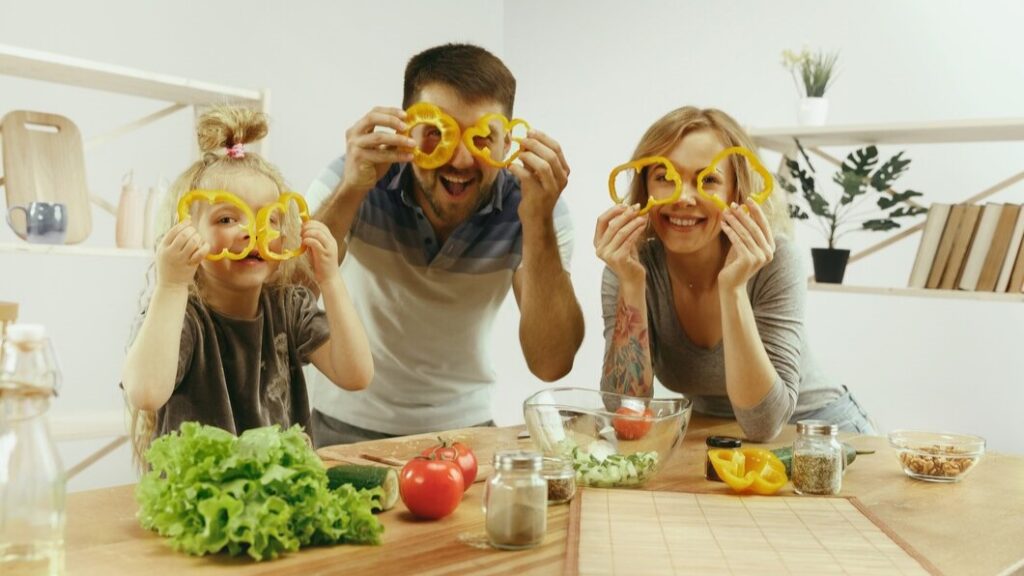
<point x="223" y="226"/>
<point x="693" y="222"/>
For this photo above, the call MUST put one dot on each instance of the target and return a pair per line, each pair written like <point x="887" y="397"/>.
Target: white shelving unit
<point x="179" y="93"/>
<point x="813" y="138"/>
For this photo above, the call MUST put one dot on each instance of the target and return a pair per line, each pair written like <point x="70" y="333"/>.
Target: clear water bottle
<point x="31" y="475"/>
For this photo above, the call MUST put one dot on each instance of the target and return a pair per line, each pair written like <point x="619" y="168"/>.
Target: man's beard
<point x="484" y="195"/>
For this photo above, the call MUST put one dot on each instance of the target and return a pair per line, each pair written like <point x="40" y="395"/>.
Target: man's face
<point x="452" y="193"/>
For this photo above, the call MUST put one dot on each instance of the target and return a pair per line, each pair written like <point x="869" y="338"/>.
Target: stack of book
<point x="971" y="247"/>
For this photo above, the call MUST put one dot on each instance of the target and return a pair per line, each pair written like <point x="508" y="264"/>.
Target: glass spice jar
<point x="561" y="478"/>
<point x="712" y="443"/>
<point x="817" y="458"/>
<point x="515" y="501"/>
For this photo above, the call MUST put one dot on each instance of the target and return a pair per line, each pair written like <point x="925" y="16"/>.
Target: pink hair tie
<point x="236" y="151"/>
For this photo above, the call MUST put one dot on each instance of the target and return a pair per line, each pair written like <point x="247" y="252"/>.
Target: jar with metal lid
<point x="817" y="458"/>
<point x="561" y="479"/>
<point x="716" y="442"/>
<point x="515" y="501"/>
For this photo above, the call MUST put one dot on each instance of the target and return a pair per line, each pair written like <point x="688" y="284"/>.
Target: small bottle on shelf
<point x="130" y="225"/>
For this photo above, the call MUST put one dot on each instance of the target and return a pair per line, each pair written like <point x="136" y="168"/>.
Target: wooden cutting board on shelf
<point x="43" y="161"/>
<point x="484" y="441"/>
<point x="639" y="532"/>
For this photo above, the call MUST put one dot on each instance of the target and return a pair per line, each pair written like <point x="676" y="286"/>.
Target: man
<point x="430" y="254"/>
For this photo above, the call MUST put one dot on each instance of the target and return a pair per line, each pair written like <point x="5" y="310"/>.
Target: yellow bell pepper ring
<point x="265" y="233"/>
<point x="483" y="128"/>
<point x="638" y="165"/>
<point x="759" y="197"/>
<point x="217" y="197"/>
<point x="749" y="470"/>
<point x="425" y="113"/>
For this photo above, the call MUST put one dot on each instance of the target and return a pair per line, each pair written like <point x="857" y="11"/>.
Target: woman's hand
<point x="753" y="245"/>
<point x="616" y="239"/>
<point x="323" y="250"/>
<point x="179" y="254"/>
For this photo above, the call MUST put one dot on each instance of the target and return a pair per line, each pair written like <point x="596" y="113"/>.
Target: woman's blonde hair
<point x="218" y="130"/>
<point x="671" y="128"/>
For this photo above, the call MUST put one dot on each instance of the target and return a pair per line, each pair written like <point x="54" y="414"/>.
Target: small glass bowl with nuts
<point x="937" y="456"/>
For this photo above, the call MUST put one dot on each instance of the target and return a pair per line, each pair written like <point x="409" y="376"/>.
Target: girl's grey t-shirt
<point x="238" y="374"/>
<point x="777" y="295"/>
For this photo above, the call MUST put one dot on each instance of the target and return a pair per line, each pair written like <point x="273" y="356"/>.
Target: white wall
<point x="594" y="74"/>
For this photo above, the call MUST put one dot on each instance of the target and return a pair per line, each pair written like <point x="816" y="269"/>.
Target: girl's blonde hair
<point x="671" y="128"/>
<point x="217" y="130"/>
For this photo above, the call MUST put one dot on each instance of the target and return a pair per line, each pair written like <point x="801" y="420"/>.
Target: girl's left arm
<point x="345" y="357"/>
<point x="763" y="401"/>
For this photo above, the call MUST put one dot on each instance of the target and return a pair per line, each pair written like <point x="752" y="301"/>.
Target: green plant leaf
<point x="853" y="185"/>
<point x="886" y="201"/>
<point x="890" y="171"/>
<point x="861" y="161"/>
<point x="880" y="225"/>
<point x="796" y="213"/>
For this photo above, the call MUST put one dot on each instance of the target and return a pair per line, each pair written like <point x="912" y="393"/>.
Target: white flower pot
<point x="812" y="111"/>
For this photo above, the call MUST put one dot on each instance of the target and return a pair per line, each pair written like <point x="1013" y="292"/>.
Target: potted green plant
<point x="814" y="72"/>
<point x="867" y="202"/>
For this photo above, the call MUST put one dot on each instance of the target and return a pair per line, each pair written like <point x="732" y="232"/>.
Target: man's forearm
<point x="551" y="324"/>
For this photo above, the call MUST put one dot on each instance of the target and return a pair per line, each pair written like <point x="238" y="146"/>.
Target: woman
<point x="710" y="300"/>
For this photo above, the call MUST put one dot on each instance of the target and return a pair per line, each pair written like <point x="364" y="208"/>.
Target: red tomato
<point x="430" y="487"/>
<point x="462" y="455"/>
<point x="632" y="428"/>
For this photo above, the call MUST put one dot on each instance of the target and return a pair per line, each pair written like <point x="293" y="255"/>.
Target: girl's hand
<point x="323" y="250"/>
<point x="753" y="245"/>
<point x="616" y="238"/>
<point x="179" y="254"/>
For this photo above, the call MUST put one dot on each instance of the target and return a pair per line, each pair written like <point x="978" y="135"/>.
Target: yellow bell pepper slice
<point x="759" y="197"/>
<point x="425" y="113"/>
<point x="483" y="128"/>
<point x="265" y="233"/>
<point x="749" y="470"/>
<point x="638" y="165"/>
<point x="217" y="197"/>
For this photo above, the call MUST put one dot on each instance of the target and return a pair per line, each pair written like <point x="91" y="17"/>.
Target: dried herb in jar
<point x="817" y="473"/>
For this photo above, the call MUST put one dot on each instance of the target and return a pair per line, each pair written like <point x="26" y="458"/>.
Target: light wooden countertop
<point x="972" y="527"/>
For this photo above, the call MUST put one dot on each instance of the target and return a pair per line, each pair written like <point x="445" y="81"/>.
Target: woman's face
<point x="693" y="222"/>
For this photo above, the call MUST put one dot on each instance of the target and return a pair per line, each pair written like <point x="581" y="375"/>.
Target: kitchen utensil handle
<point x="11" y="224"/>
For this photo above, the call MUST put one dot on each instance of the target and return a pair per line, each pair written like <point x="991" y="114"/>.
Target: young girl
<point x="222" y="341"/>
<point x="706" y="299"/>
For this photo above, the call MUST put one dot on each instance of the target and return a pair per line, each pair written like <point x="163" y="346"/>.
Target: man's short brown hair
<point x="474" y="73"/>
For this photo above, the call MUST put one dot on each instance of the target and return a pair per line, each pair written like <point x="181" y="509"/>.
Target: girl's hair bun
<point x="226" y="126"/>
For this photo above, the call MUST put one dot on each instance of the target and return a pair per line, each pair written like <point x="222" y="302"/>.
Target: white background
<point x="593" y="74"/>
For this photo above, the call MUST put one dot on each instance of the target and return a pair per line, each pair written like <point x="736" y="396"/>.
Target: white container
<point x="153" y="201"/>
<point x="130" y="215"/>
<point x="812" y="111"/>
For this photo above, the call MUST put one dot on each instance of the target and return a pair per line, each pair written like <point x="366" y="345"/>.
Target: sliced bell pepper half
<point x="483" y="128"/>
<point x="758" y="197"/>
<point x="619" y="197"/>
<point x="265" y="233"/>
<point x="749" y="470"/>
<point x="216" y="197"/>
<point x="426" y="113"/>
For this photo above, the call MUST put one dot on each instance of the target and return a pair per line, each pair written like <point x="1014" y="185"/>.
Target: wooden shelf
<point x="981" y="130"/>
<point x="48" y="67"/>
<point x="917" y="292"/>
<point x="66" y="250"/>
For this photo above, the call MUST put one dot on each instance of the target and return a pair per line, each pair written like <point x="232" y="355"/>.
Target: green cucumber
<point x="367" y="478"/>
<point x="786" y="455"/>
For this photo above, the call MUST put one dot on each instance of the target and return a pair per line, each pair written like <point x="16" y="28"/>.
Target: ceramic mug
<point x="45" y="222"/>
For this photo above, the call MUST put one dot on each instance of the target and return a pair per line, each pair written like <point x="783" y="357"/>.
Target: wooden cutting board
<point x="44" y="161"/>
<point x="484" y="441"/>
<point x="638" y="532"/>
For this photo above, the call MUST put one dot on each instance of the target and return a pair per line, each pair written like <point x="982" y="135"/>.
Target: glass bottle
<point x="712" y="443"/>
<point x="31" y="475"/>
<point x="515" y="501"/>
<point x="561" y="479"/>
<point x="817" y="458"/>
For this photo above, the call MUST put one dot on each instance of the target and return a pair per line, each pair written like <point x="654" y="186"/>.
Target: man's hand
<point x="368" y="153"/>
<point x="542" y="176"/>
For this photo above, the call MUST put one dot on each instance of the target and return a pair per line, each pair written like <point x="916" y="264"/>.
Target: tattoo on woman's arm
<point x="627" y="363"/>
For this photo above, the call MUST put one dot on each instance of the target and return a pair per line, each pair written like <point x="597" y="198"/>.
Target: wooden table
<point x="973" y="527"/>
